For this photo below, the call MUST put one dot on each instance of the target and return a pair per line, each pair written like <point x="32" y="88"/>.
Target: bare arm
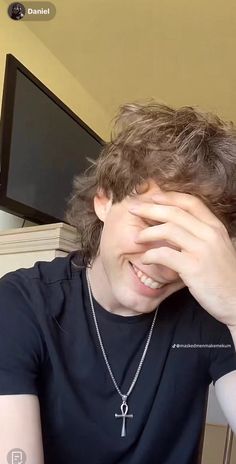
<point x="20" y="427"/>
<point x="225" y="389"/>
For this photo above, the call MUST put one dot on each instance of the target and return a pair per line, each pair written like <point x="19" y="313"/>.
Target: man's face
<point x="16" y="8"/>
<point x="118" y="248"/>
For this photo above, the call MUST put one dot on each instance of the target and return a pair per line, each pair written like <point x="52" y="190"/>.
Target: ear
<point x="102" y="204"/>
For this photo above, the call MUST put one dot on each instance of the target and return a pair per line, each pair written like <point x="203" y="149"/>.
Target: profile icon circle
<point x="16" y="11"/>
<point x="16" y="455"/>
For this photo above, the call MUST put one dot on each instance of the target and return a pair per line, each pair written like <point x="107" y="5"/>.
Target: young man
<point x="117" y="343"/>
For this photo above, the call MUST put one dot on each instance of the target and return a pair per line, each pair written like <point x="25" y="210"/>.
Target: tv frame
<point x="7" y="204"/>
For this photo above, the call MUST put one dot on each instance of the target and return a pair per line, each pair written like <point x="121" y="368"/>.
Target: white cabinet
<point x="24" y="246"/>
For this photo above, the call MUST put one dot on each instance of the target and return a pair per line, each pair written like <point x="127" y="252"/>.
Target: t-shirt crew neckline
<point x="107" y="315"/>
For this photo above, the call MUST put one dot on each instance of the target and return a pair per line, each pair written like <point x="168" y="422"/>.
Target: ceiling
<point x="178" y="52"/>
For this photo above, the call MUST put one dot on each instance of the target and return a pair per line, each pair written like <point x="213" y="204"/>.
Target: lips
<point x="144" y="272"/>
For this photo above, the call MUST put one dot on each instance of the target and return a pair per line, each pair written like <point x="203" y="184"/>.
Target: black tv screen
<point x="43" y="146"/>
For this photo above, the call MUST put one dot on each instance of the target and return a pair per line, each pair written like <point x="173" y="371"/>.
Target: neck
<point x="102" y="291"/>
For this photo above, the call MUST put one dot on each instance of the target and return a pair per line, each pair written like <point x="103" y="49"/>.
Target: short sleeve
<point x="222" y="354"/>
<point x="21" y="345"/>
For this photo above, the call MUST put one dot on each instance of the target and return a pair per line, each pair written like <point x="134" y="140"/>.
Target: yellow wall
<point x="17" y="39"/>
<point x="180" y="52"/>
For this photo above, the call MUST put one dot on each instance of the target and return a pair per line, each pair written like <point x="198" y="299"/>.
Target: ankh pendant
<point x="124" y="415"/>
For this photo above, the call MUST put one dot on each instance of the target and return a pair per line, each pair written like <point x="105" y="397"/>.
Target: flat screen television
<point x="43" y="145"/>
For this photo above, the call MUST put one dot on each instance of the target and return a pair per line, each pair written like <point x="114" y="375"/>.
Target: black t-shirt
<point x="49" y="347"/>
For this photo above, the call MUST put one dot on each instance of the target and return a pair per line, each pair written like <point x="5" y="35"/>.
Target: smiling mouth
<point x="157" y="281"/>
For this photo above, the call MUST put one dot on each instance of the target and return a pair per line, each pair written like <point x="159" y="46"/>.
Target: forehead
<point x="151" y="188"/>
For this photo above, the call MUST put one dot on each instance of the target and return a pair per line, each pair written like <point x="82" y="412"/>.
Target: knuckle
<point x="194" y="202"/>
<point x="216" y="232"/>
<point x="221" y="229"/>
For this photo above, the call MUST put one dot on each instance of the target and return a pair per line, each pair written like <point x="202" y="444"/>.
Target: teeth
<point x="147" y="280"/>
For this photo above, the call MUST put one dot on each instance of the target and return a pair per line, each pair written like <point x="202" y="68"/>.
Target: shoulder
<point x="41" y="292"/>
<point x="45" y="272"/>
<point x="37" y="289"/>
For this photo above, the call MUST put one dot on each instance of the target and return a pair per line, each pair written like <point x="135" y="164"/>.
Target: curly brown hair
<point x="185" y="150"/>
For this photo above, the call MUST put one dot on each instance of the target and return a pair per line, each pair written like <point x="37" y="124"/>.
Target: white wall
<point x="9" y="221"/>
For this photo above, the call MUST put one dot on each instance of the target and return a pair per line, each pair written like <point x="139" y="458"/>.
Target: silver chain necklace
<point x="124" y="407"/>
